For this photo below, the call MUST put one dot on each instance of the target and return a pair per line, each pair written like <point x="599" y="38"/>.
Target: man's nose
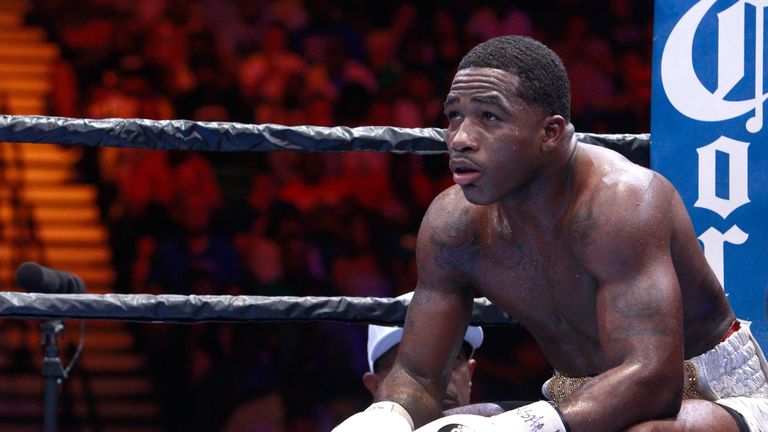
<point x="464" y="140"/>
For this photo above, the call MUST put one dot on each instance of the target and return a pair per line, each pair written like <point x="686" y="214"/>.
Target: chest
<point x="539" y="280"/>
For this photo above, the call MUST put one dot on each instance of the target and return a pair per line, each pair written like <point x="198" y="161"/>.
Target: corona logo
<point x="709" y="136"/>
<point x="723" y="174"/>
<point x="678" y="75"/>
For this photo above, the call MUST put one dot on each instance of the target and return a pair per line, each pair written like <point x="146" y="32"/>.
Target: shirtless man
<point x="594" y="255"/>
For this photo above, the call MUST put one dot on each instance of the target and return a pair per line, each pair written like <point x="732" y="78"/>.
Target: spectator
<point x="382" y="348"/>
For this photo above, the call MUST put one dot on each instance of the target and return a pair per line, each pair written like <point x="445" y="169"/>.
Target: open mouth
<point x="464" y="171"/>
<point x="464" y="175"/>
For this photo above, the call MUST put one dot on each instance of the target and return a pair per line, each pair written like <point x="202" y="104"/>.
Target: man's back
<point x="537" y="263"/>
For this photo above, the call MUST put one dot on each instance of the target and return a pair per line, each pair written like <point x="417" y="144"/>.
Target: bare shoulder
<point x="622" y="209"/>
<point x="618" y="188"/>
<point x="448" y="237"/>
<point x="450" y="214"/>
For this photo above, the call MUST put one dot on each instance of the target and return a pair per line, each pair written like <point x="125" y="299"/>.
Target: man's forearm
<point x="412" y="394"/>
<point x="621" y="397"/>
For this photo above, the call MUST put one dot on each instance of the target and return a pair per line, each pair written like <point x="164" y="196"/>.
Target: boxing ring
<point x="56" y="304"/>
<point x="234" y="137"/>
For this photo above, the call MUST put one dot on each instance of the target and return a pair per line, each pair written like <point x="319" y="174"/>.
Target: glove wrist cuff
<point x="394" y="407"/>
<point x="539" y="416"/>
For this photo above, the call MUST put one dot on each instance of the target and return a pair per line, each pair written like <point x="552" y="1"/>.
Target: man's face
<point x="494" y="137"/>
<point x="459" y="386"/>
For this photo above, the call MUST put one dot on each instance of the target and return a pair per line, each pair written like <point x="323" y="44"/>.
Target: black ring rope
<point x="183" y="309"/>
<point x="232" y="137"/>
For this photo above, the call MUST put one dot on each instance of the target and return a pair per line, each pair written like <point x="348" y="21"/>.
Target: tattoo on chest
<point x="583" y="228"/>
<point x="454" y="247"/>
<point x="464" y="255"/>
<point x="508" y="255"/>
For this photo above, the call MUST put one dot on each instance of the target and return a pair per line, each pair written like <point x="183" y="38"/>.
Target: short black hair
<point x="543" y="79"/>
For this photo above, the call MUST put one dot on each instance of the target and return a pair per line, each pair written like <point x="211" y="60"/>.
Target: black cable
<point x="79" y="349"/>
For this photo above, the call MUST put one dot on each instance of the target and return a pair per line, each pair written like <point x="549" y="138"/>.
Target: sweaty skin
<point x="457" y="392"/>
<point x="596" y="257"/>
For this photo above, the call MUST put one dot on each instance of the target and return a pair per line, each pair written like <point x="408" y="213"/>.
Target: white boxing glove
<point x="379" y="417"/>
<point x="460" y="423"/>
<point x="539" y="416"/>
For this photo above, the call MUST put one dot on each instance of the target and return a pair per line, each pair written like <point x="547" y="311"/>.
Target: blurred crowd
<point x="285" y="223"/>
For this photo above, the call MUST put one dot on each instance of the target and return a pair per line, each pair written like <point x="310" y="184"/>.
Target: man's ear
<point x="371" y="381"/>
<point x="553" y="129"/>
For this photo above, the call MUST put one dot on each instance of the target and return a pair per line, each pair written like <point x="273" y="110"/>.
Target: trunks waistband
<point x="561" y="386"/>
<point x="735" y="326"/>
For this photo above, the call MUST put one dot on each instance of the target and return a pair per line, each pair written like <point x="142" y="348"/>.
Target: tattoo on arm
<point x="636" y="301"/>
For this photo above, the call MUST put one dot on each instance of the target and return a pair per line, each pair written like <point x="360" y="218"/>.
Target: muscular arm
<point x="639" y="310"/>
<point x="437" y="316"/>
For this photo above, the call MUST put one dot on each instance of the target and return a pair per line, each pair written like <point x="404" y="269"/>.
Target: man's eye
<point x="489" y="116"/>
<point x="452" y="115"/>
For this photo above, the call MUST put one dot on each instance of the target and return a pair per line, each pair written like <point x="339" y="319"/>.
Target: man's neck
<point x="545" y="198"/>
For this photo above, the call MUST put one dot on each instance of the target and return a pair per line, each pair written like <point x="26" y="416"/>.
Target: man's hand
<point x="536" y="417"/>
<point x="379" y="417"/>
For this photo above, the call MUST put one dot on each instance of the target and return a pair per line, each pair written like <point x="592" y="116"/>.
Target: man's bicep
<point x="639" y="302"/>
<point x="640" y="316"/>
<point x="445" y="249"/>
<point x="639" y="307"/>
<point x="436" y="320"/>
<point x="442" y="302"/>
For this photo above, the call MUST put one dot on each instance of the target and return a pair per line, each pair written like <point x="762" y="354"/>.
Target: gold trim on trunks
<point x="691" y="383"/>
<point x="559" y="387"/>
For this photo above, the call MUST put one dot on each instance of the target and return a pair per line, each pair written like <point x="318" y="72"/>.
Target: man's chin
<point x="473" y="196"/>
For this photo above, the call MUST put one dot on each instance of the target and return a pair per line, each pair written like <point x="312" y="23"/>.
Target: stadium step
<point x="38" y="174"/>
<point x="18" y="7"/>
<point x="73" y="195"/>
<point x="26" y="60"/>
<point x="47" y="154"/>
<point x="25" y="105"/>
<point x="29" y="51"/>
<point x="109" y="388"/>
<point x="9" y="18"/>
<point x="24" y="85"/>
<point x="111" y="373"/>
<point x="21" y="34"/>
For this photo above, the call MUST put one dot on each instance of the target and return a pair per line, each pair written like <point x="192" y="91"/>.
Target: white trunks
<point x="733" y="374"/>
